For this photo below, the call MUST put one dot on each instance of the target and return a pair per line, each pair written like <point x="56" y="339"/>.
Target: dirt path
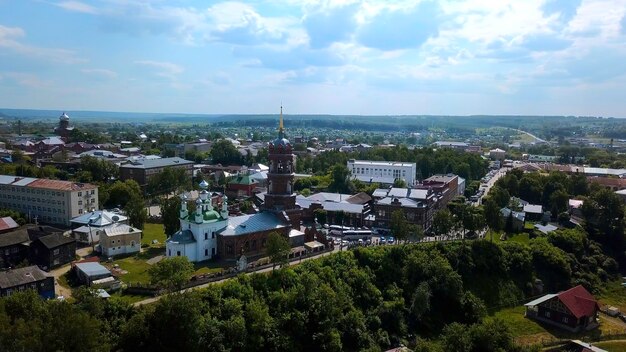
<point x="59" y="289"/>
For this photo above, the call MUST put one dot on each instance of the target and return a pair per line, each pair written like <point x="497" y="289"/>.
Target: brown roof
<point x="359" y="198"/>
<point x="60" y="185"/>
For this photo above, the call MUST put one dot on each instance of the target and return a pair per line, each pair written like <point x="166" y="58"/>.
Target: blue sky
<point x="459" y="57"/>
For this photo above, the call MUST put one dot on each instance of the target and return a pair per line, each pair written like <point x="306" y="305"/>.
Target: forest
<point x="429" y="297"/>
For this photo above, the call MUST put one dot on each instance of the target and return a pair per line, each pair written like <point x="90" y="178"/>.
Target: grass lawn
<point x="136" y="265"/>
<point x="153" y="232"/>
<point x="206" y="268"/>
<point x="611" y="346"/>
<point x="614" y="295"/>
<point x="517" y="323"/>
<point x="520" y="237"/>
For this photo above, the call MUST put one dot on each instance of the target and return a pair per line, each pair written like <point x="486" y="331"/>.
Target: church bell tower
<point x="280" y="197"/>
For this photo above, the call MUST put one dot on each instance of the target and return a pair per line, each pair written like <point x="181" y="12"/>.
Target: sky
<point x="453" y="57"/>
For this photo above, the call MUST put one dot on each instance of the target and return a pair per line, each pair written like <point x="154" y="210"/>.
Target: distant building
<point x="119" y="239"/>
<point x="461" y="146"/>
<point x="144" y="170"/>
<point x="63" y="129"/>
<point x="385" y="172"/>
<point x="533" y="212"/>
<point x="241" y="185"/>
<point x="517" y="219"/>
<point x="497" y="154"/>
<point x="418" y="206"/>
<point x="573" y="310"/>
<point x="446" y="187"/>
<point x="88" y="227"/>
<point x="28" y="278"/>
<point x="49" y="201"/>
<point x="341" y="209"/>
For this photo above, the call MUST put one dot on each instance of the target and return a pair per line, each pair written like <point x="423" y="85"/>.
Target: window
<point x="56" y="252"/>
<point x="547" y="314"/>
<point x="93" y="191"/>
<point x="206" y="235"/>
<point x="565" y="320"/>
<point x="212" y="234"/>
<point x="178" y="253"/>
<point x="93" y="200"/>
<point x="206" y="252"/>
<point x="80" y="202"/>
<point x="169" y="252"/>
<point x="132" y="243"/>
<point x="80" y="194"/>
<point x="213" y="251"/>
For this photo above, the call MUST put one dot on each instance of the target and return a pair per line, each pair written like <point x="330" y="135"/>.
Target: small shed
<point x="87" y="273"/>
<point x="314" y="246"/>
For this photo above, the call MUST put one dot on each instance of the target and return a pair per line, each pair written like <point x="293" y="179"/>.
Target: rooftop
<point x="154" y="163"/>
<point x="382" y="163"/>
<point x="21" y="276"/>
<point x="92" y="269"/>
<point x="55" y="240"/>
<point x="60" y="185"/>
<point x="99" y="218"/>
<point x="239" y="225"/>
<point x="120" y="229"/>
<point x="7" y="223"/>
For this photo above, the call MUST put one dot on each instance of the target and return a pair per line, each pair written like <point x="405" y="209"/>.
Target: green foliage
<point x="277" y="248"/>
<point x="171" y="273"/>
<point x="225" y="153"/>
<point x="99" y="169"/>
<point x="136" y="211"/>
<point x="16" y="215"/>
<point x="434" y="296"/>
<point x="443" y="222"/>
<point x="168" y="180"/>
<point x="400" y="227"/>
<point x="170" y="212"/>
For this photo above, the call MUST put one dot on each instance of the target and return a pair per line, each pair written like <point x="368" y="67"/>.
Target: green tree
<point x="492" y="217"/>
<point x="277" y="249"/>
<point x="400" y="227"/>
<point x="171" y="273"/>
<point x="443" y="222"/>
<point x="136" y="211"/>
<point x="340" y="181"/>
<point x="225" y="153"/>
<point x="170" y="212"/>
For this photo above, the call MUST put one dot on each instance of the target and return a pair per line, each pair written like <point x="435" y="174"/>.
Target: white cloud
<point x="8" y="40"/>
<point x="77" y="6"/>
<point x="99" y="73"/>
<point x="27" y="80"/>
<point x="164" y="69"/>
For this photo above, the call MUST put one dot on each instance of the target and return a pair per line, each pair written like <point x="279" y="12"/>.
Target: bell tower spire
<point x="281" y="128"/>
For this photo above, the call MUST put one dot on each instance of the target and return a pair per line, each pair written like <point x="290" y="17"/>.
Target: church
<point x="208" y="232"/>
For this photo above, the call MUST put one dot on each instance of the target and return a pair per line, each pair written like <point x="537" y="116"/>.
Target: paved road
<point x="490" y="184"/>
<point x="533" y="136"/>
<point x="295" y="262"/>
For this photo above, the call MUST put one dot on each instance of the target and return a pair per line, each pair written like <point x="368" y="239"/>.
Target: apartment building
<point x="385" y="172"/>
<point x="48" y="201"/>
<point x="143" y="170"/>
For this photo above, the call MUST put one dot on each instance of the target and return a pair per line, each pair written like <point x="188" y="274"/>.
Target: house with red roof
<point x="573" y="310"/>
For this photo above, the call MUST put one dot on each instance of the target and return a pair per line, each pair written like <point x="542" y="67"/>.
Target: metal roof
<point x="540" y="300"/>
<point x="100" y="218"/>
<point x="239" y="225"/>
<point x="154" y="163"/>
<point x="533" y="208"/>
<point x="381" y="163"/>
<point x="21" y="276"/>
<point x="92" y="269"/>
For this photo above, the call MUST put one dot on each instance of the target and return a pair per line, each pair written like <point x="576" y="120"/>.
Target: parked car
<point x="390" y="240"/>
